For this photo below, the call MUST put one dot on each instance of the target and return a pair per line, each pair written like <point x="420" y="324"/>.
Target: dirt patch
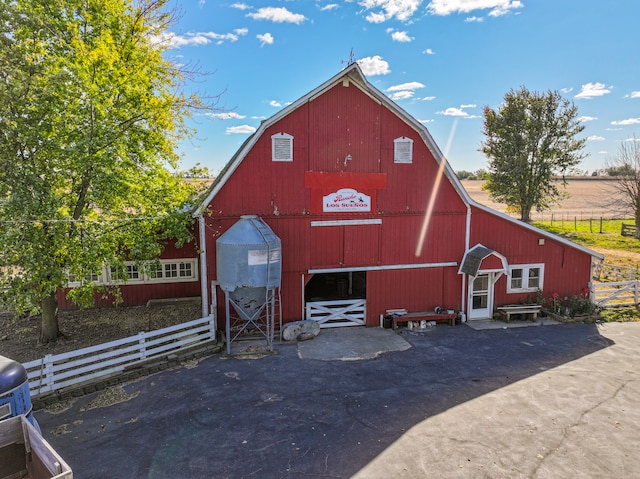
<point x="84" y="328"/>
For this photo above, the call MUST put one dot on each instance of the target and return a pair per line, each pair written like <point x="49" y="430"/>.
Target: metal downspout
<point x="204" y="288"/>
<point x="467" y="240"/>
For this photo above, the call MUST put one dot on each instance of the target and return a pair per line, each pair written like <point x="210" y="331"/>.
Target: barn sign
<point x="346" y="200"/>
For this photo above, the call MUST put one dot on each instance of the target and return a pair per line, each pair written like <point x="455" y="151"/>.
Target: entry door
<point x="481" y="297"/>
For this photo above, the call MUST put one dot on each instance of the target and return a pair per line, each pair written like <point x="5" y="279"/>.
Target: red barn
<point x="372" y="218"/>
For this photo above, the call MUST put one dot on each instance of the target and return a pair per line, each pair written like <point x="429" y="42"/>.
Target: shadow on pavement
<point x="282" y="416"/>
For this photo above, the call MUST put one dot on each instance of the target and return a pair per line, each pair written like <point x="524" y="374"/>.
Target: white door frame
<point x="484" y="313"/>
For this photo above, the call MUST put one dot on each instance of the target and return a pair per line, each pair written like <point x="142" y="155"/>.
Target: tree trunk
<point x="525" y="214"/>
<point x="49" y="326"/>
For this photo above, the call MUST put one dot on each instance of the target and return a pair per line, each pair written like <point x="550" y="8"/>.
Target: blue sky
<point x="440" y="60"/>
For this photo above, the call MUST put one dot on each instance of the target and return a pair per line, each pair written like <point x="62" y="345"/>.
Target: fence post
<point x="47" y="378"/>
<point x="212" y="327"/>
<point x="141" y="341"/>
<point x="601" y="225"/>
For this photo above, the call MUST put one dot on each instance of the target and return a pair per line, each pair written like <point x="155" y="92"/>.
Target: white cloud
<point x="329" y="6"/>
<point x="275" y="104"/>
<point x="587" y="118"/>
<point x="414" y="85"/>
<point x="628" y="121"/>
<point x="426" y="121"/>
<point x="635" y="94"/>
<point x="226" y="115"/>
<point x="265" y="39"/>
<point x="453" y="111"/>
<point x="595" y="138"/>
<point x="401" y="10"/>
<point x="277" y="15"/>
<point x="592" y="90"/>
<point x="497" y="7"/>
<point x="402" y="95"/>
<point x="374" y="65"/>
<point x="566" y="90"/>
<point x="474" y="19"/>
<point x="242" y="129"/>
<point x="173" y="40"/>
<point x="241" y="6"/>
<point x="428" y="51"/>
<point x="402" y="37"/>
<point x="404" y="91"/>
<point x="428" y="98"/>
<point x="632" y="139"/>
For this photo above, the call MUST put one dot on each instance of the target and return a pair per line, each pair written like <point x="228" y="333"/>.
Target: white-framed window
<point x="525" y="278"/>
<point x="281" y="147"/>
<point x="162" y="271"/>
<point x="74" y="280"/>
<point x="183" y="270"/>
<point x="130" y="273"/>
<point x="403" y="150"/>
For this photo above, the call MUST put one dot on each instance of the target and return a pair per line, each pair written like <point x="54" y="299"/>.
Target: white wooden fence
<point x="613" y="272"/>
<point x="54" y="372"/>
<point x="337" y="313"/>
<point x="619" y="293"/>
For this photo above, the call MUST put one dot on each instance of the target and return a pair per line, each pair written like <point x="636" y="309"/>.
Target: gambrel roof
<point x="353" y="74"/>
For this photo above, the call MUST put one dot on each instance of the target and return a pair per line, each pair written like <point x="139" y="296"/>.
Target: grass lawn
<point x="594" y="233"/>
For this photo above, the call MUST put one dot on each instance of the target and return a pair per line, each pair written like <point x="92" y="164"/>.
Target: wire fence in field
<point x="587" y="224"/>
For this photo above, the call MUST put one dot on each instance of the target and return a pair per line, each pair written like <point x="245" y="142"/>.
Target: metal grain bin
<point x="248" y="255"/>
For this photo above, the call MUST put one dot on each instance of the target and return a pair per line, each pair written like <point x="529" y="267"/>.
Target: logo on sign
<point x="346" y="199"/>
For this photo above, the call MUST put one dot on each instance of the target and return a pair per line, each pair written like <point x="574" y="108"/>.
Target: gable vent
<point x="282" y="147"/>
<point x="403" y="150"/>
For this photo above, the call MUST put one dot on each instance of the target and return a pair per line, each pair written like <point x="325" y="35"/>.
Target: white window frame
<point x="525" y="287"/>
<point x="180" y="267"/>
<point x="186" y="271"/>
<point x="279" y="150"/>
<point x="97" y="278"/>
<point x="400" y="153"/>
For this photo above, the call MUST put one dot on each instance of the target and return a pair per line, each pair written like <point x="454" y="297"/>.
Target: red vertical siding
<point x="344" y="121"/>
<point x="412" y="289"/>
<point x="567" y="269"/>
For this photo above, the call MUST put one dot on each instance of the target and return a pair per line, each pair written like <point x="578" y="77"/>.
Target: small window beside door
<point x="525" y="278"/>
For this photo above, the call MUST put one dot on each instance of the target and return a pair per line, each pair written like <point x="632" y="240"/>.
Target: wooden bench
<point x="424" y="315"/>
<point x="524" y="309"/>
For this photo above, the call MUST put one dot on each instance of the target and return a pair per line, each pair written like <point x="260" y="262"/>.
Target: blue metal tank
<point x="14" y="391"/>
<point x="248" y="255"/>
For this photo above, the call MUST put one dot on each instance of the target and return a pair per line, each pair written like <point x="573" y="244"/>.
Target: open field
<point x="580" y="218"/>
<point x="589" y="197"/>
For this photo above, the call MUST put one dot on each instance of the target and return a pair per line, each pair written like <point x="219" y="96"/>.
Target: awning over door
<point x="481" y="258"/>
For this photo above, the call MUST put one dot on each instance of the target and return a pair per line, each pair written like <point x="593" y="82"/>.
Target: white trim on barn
<point x="384" y="267"/>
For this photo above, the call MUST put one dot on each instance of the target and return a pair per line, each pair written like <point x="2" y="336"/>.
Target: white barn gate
<point x="337" y="313"/>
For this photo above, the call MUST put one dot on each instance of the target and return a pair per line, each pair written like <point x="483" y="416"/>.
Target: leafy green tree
<point x="90" y="115"/>
<point x="627" y="165"/>
<point x="530" y="140"/>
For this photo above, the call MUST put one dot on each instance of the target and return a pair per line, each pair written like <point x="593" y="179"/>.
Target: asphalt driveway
<point x="551" y="401"/>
